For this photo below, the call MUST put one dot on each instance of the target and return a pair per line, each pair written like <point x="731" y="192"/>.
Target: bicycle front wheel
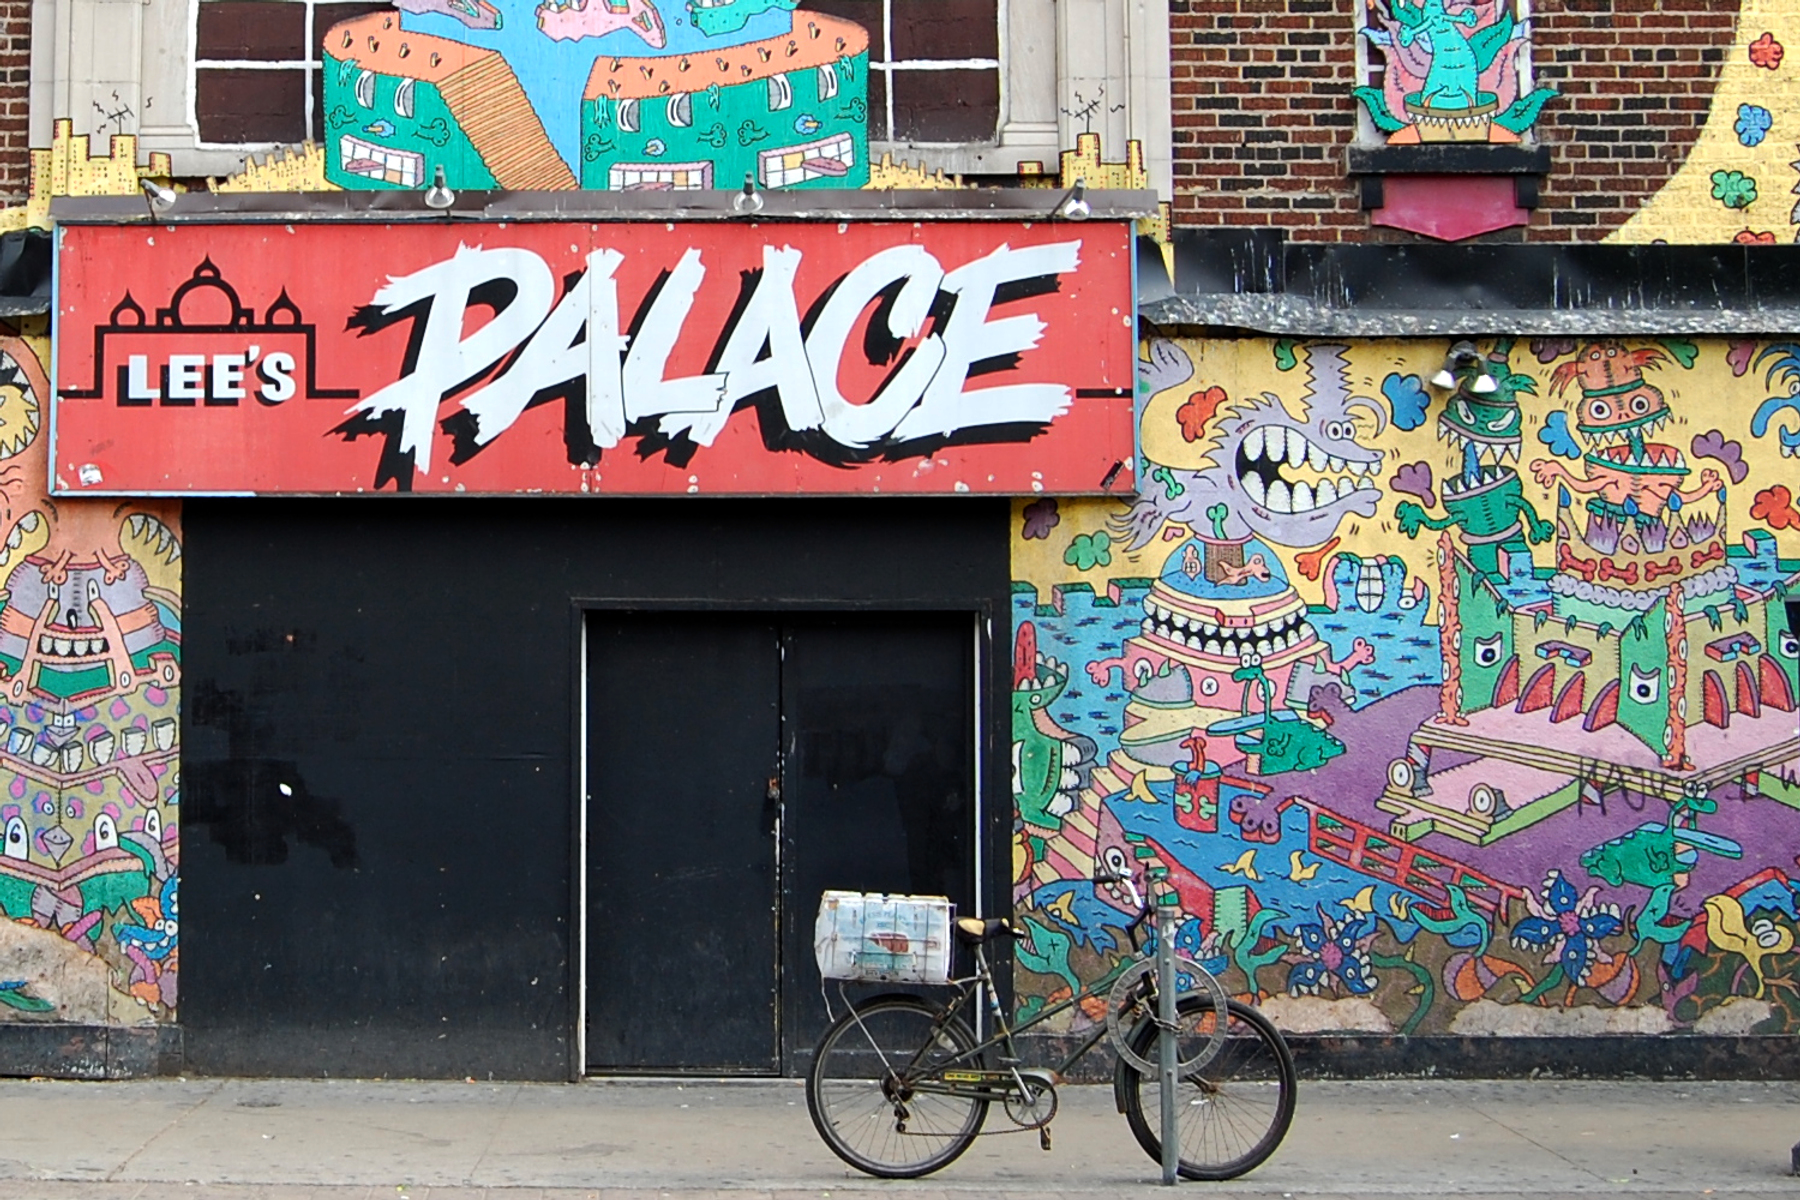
<point x="1233" y="1110"/>
<point x="864" y="1088"/>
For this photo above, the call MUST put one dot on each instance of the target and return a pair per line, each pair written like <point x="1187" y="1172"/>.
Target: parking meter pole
<point x="1166" y="913"/>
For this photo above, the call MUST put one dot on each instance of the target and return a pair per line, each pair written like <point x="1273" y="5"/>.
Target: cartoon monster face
<point x="40" y="828"/>
<point x="74" y="626"/>
<point x="1640" y="409"/>
<point x="1616" y="404"/>
<point x="1490" y="423"/>
<point x="20" y="402"/>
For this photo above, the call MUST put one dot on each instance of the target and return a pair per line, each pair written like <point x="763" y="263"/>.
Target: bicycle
<point x="900" y="1086"/>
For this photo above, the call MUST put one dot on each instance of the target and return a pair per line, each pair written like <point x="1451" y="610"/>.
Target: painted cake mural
<point x="1448" y="687"/>
<point x="628" y="95"/>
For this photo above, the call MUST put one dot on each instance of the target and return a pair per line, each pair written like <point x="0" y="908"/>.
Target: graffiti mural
<point x="1450" y="76"/>
<point x="1449" y="687"/>
<point x="1740" y="180"/>
<point x="622" y="96"/>
<point x="90" y="637"/>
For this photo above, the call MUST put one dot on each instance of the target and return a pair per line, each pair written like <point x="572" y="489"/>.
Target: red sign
<point x="571" y="357"/>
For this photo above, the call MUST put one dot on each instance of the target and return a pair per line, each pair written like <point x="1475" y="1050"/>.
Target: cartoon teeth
<point x="1272" y="636"/>
<point x="56" y="645"/>
<point x="1607" y="436"/>
<point x="1652" y="456"/>
<point x="1267" y="449"/>
<point x="155" y="537"/>
<point x="1457" y="485"/>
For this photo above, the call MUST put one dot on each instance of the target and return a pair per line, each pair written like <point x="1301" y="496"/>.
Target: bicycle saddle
<point x="973" y="930"/>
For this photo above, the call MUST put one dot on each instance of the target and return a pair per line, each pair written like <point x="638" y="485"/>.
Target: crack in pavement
<point x="493" y="1134"/>
<point x="112" y="1176"/>
<point x="1518" y="1133"/>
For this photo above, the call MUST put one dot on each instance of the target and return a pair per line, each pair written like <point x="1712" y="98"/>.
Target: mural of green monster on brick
<point x="1449" y="686"/>
<point x="625" y="95"/>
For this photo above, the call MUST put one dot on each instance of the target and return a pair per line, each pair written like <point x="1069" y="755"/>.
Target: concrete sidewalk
<point x="313" y="1140"/>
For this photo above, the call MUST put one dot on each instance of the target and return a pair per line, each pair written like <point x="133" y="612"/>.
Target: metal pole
<point x="1166" y="913"/>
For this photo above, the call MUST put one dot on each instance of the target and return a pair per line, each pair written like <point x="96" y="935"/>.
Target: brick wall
<point x="1263" y="113"/>
<point x="15" y="75"/>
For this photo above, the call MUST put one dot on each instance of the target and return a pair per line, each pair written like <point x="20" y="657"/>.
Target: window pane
<point x="250" y="106"/>
<point x="256" y="29"/>
<point x="945" y="106"/>
<point x="878" y="123"/>
<point x="945" y="29"/>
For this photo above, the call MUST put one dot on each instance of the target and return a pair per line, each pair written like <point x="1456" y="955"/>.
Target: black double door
<point x="737" y="766"/>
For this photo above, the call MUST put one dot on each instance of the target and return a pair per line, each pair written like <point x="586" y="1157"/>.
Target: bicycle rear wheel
<point x="863" y="1096"/>
<point x="1234" y="1109"/>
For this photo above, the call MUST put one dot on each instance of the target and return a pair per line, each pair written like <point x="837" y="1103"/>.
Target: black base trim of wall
<point x="1353" y="1056"/>
<point x="90" y="1051"/>
<point x="1599" y="1057"/>
<point x="100" y="1052"/>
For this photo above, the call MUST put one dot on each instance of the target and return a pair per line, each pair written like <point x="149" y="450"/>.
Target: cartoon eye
<point x="54" y="592"/>
<point x="1612" y="351"/>
<point x="365" y="89"/>
<point x="46" y="806"/>
<point x="1640" y="405"/>
<point x="1487" y="651"/>
<point x="73" y="810"/>
<point x="153" y="823"/>
<point x="106" y="833"/>
<point x="1599" y="410"/>
<point x="1786" y="646"/>
<point x="1408" y="600"/>
<point x="1594" y="354"/>
<point x="403" y="99"/>
<point x="1646" y="686"/>
<point x="17" y="844"/>
<point x="628" y="116"/>
<point x="93" y="589"/>
<point x="1116" y="863"/>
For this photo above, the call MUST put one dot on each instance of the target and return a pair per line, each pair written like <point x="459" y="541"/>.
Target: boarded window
<point x="256" y="68"/>
<point x="934" y="67"/>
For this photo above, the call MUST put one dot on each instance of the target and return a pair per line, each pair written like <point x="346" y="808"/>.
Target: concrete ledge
<point x="90" y="1051"/>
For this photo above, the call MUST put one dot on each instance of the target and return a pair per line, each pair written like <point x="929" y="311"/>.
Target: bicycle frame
<point x="951" y="1078"/>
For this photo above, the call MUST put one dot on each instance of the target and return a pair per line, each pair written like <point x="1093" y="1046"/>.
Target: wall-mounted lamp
<point x="1462" y="358"/>
<point x="160" y="197"/>
<point x="748" y="202"/>
<point x="1074" y="206"/>
<point x="439" y="196"/>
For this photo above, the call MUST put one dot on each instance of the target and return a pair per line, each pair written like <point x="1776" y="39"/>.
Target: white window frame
<point x="312" y="64"/>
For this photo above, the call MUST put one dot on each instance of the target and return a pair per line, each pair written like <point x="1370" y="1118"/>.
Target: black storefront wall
<point x="382" y="740"/>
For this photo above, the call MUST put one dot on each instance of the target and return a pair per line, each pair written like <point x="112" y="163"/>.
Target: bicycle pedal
<point x="1044" y="1138"/>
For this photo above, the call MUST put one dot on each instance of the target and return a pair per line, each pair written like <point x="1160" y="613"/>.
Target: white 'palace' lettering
<point x="626" y="379"/>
